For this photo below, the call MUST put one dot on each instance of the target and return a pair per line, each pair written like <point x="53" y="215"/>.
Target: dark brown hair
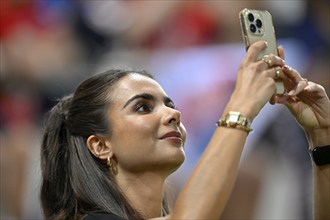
<point x="74" y="181"/>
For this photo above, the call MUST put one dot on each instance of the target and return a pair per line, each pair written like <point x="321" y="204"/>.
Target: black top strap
<point x="101" y="216"/>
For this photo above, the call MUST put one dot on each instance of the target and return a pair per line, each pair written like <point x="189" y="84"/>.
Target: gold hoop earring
<point x="109" y="162"/>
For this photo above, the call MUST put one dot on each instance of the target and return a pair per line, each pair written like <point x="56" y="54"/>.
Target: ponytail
<point x="75" y="182"/>
<point x="55" y="157"/>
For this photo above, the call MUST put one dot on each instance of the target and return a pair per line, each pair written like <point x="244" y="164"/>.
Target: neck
<point x="144" y="191"/>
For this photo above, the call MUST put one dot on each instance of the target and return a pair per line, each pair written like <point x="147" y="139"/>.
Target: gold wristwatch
<point x="235" y="120"/>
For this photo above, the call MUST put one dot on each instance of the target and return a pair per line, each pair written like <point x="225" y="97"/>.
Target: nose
<point x="172" y="116"/>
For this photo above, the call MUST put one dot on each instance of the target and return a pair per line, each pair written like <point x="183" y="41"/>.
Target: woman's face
<point x="147" y="134"/>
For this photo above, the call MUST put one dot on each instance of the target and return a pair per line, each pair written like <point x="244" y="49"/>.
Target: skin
<point x="141" y="103"/>
<point x="204" y="197"/>
<point x="309" y="104"/>
<point x="142" y="158"/>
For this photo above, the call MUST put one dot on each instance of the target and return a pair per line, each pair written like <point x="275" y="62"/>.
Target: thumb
<point x="288" y="101"/>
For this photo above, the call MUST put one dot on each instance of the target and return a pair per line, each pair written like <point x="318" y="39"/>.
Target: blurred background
<point x="193" y="48"/>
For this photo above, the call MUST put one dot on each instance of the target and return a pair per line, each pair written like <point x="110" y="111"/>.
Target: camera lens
<point x="250" y="17"/>
<point x="253" y="28"/>
<point x="258" y="23"/>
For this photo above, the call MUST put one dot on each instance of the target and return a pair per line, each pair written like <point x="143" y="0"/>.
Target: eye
<point x="170" y="105"/>
<point x="143" y="108"/>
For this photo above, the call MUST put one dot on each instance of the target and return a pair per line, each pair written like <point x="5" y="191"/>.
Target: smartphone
<point x="258" y="25"/>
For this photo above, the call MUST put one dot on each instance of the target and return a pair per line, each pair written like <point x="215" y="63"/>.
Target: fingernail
<point x="266" y="43"/>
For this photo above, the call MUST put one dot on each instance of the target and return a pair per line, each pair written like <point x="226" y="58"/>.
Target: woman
<point x="108" y="149"/>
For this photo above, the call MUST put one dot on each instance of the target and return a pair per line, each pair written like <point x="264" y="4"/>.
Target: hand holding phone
<point x="257" y="25"/>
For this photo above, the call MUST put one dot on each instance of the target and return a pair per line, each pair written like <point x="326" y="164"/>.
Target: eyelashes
<point x="171" y="105"/>
<point x="144" y="107"/>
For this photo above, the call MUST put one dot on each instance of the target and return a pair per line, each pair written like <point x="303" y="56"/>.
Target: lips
<point x="173" y="136"/>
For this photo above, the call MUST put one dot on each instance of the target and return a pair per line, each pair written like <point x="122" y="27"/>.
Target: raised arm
<point x="310" y="105"/>
<point x="207" y="190"/>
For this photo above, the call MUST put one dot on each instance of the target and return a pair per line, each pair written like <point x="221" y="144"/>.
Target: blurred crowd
<point x="48" y="46"/>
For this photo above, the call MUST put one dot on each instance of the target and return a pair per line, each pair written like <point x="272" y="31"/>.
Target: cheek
<point x="131" y="143"/>
<point x="141" y="128"/>
<point x="135" y="132"/>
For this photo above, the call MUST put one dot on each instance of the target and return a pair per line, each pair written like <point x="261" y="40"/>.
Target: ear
<point x="99" y="147"/>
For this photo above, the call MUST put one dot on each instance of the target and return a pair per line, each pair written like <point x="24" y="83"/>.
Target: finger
<point x="270" y="73"/>
<point x="286" y="100"/>
<point x="279" y="73"/>
<point x="276" y="73"/>
<point x="278" y="77"/>
<point x="273" y="100"/>
<point x="300" y="82"/>
<point x="272" y="60"/>
<point x="279" y="97"/>
<point x="298" y="88"/>
<point x="292" y="74"/>
<point x="280" y="51"/>
<point x="313" y="87"/>
<point x="254" y="50"/>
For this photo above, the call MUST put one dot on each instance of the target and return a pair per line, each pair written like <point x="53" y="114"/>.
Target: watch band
<point x="235" y="120"/>
<point x="321" y="155"/>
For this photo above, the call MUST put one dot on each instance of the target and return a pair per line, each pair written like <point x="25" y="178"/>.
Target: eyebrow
<point x="146" y="96"/>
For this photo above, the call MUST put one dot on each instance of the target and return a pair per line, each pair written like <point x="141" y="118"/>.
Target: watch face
<point x="233" y="118"/>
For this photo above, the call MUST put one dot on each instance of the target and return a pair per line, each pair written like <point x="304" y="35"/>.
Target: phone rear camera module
<point x="258" y="23"/>
<point x="250" y="17"/>
<point x="253" y="28"/>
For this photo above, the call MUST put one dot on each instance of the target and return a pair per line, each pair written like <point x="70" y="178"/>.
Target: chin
<point x="176" y="161"/>
<point x="169" y="160"/>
